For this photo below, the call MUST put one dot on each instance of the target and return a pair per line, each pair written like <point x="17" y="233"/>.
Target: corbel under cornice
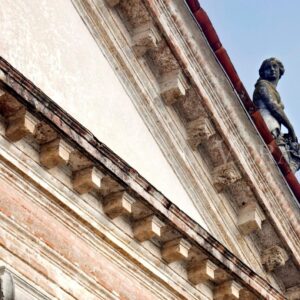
<point x="185" y="48"/>
<point x="151" y="210"/>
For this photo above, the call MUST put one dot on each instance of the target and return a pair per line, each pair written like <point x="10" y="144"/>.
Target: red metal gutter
<point x="221" y="54"/>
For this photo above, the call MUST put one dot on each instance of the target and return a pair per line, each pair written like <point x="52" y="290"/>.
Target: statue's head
<point x="271" y="69"/>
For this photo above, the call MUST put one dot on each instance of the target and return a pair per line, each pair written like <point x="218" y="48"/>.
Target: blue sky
<point x="253" y="30"/>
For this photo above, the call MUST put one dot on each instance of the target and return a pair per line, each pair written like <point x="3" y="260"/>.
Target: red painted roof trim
<point x="221" y="54"/>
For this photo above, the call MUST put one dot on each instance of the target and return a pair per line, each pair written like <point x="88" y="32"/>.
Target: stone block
<point x="55" y="153"/>
<point x="173" y="86"/>
<point x="199" y="130"/>
<point x="147" y="228"/>
<point x="78" y="161"/>
<point x="9" y="105"/>
<point x="86" y="180"/>
<point x="117" y="204"/>
<point x="229" y="290"/>
<point x="175" y="250"/>
<point x="144" y="38"/>
<point x="44" y="133"/>
<point x="141" y="211"/>
<point x="20" y="125"/>
<point x="250" y="218"/>
<point x="110" y="186"/>
<point x="221" y="276"/>
<point x="200" y="272"/>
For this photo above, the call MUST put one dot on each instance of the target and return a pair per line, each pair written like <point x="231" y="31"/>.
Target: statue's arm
<point x="277" y="111"/>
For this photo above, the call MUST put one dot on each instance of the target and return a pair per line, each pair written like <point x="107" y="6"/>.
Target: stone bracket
<point x="9" y="105"/>
<point x="147" y="228"/>
<point x="173" y="86"/>
<point x="225" y="175"/>
<point x="44" y="133"/>
<point x="117" y="204"/>
<point x="250" y="218"/>
<point x="175" y="250"/>
<point x="20" y="125"/>
<point x="87" y="180"/>
<point x="200" y="272"/>
<point x="199" y="131"/>
<point x="55" y="153"/>
<point x="229" y="290"/>
<point x="144" y="38"/>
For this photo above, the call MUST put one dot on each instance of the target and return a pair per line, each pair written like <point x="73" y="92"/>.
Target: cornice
<point x="164" y="124"/>
<point x="142" y="87"/>
<point x="228" y="114"/>
<point x="187" y="53"/>
<point x="22" y="101"/>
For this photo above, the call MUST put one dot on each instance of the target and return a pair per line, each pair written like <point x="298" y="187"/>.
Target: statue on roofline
<point x="268" y="101"/>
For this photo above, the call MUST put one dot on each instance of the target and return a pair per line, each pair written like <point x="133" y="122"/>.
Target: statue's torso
<point x="263" y="89"/>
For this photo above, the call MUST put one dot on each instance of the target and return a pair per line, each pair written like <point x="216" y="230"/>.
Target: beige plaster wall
<point x="48" y="42"/>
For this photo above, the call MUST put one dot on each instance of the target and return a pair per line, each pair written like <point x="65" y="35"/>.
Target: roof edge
<point x="222" y="56"/>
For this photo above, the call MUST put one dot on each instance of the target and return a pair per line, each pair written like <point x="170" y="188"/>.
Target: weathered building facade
<point x="176" y="189"/>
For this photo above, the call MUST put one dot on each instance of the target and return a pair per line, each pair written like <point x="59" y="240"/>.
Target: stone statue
<point x="268" y="101"/>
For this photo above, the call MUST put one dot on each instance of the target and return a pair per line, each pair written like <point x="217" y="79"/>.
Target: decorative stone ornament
<point x="225" y="175"/>
<point x="9" y="105"/>
<point x="199" y="130"/>
<point x="147" y="228"/>
<point x="273" y="258"/>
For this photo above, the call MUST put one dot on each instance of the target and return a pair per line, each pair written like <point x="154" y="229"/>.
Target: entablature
<point x="180" y="82"/>
<point x="57" y="142"/>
